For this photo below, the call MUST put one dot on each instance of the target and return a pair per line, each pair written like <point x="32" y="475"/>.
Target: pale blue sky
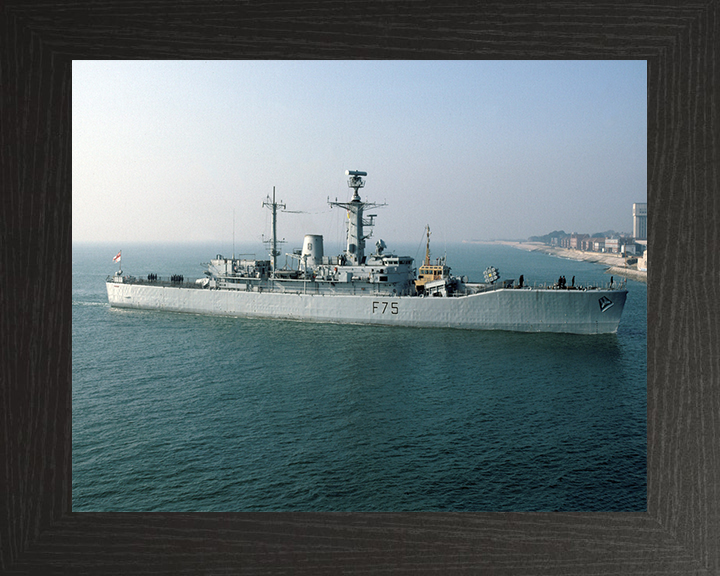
<point x="165" y="151"/>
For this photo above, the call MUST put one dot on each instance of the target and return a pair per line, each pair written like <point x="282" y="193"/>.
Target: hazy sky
<point x="165" y="151"/>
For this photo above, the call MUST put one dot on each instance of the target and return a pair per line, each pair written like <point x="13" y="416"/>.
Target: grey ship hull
<point x="379" y="288"/>
<point x="592" y="311"/>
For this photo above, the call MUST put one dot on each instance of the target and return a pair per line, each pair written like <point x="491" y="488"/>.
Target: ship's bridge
<point x="433" y="272"/>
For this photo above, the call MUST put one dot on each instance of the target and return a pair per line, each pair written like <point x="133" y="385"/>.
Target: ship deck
<point x="283" y="285"/>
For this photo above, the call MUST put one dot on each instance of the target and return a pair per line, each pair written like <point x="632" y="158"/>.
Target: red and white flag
<point x="117" y="258"/>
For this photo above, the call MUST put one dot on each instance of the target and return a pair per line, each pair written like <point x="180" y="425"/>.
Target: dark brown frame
<point x="680" y="531"/>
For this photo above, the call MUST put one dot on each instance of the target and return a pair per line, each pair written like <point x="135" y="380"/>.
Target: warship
<point x="379" y="288"/>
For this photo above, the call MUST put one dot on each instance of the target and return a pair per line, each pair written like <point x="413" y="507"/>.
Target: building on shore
<point x="640" y="221"/>
<point x="642" y="263"/>
<point x="574" y="241"/>
<point x="612" y="245"/>
<point x="630" y="248"/>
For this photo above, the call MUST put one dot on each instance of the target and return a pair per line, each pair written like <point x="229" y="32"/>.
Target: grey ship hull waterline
<point x="380" y="288"/>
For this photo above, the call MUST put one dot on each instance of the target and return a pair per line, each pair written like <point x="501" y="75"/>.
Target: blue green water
<point x="179" y="412"/>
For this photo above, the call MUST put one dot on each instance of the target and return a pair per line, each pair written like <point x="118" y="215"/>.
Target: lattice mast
<point x="273" y="206"/>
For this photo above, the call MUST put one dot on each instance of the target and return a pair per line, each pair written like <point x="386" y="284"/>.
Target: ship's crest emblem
<point x="605" y="303"/>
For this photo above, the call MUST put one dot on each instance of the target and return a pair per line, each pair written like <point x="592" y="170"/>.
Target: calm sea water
<point x="178" y="412"/>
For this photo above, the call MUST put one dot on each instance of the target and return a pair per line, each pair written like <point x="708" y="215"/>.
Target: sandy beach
<point x="614" y="262"/>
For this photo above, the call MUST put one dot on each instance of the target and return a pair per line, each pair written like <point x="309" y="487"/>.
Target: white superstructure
<point x="376" y="288"/>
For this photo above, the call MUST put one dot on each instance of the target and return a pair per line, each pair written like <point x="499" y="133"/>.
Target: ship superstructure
<point x="351" y="272"/>
<point x="376" y="288"/>
<point x="429" y="274"/>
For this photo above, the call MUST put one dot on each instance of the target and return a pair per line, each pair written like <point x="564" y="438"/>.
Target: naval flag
<point x="117" y="258"/>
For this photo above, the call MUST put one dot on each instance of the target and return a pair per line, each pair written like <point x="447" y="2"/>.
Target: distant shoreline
<point x="615" y="263"/>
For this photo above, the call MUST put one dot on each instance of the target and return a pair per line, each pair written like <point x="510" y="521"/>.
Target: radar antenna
<point x="355" y="182"/>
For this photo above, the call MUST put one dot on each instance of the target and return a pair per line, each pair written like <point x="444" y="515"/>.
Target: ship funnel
<point x="312" y="251"/>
